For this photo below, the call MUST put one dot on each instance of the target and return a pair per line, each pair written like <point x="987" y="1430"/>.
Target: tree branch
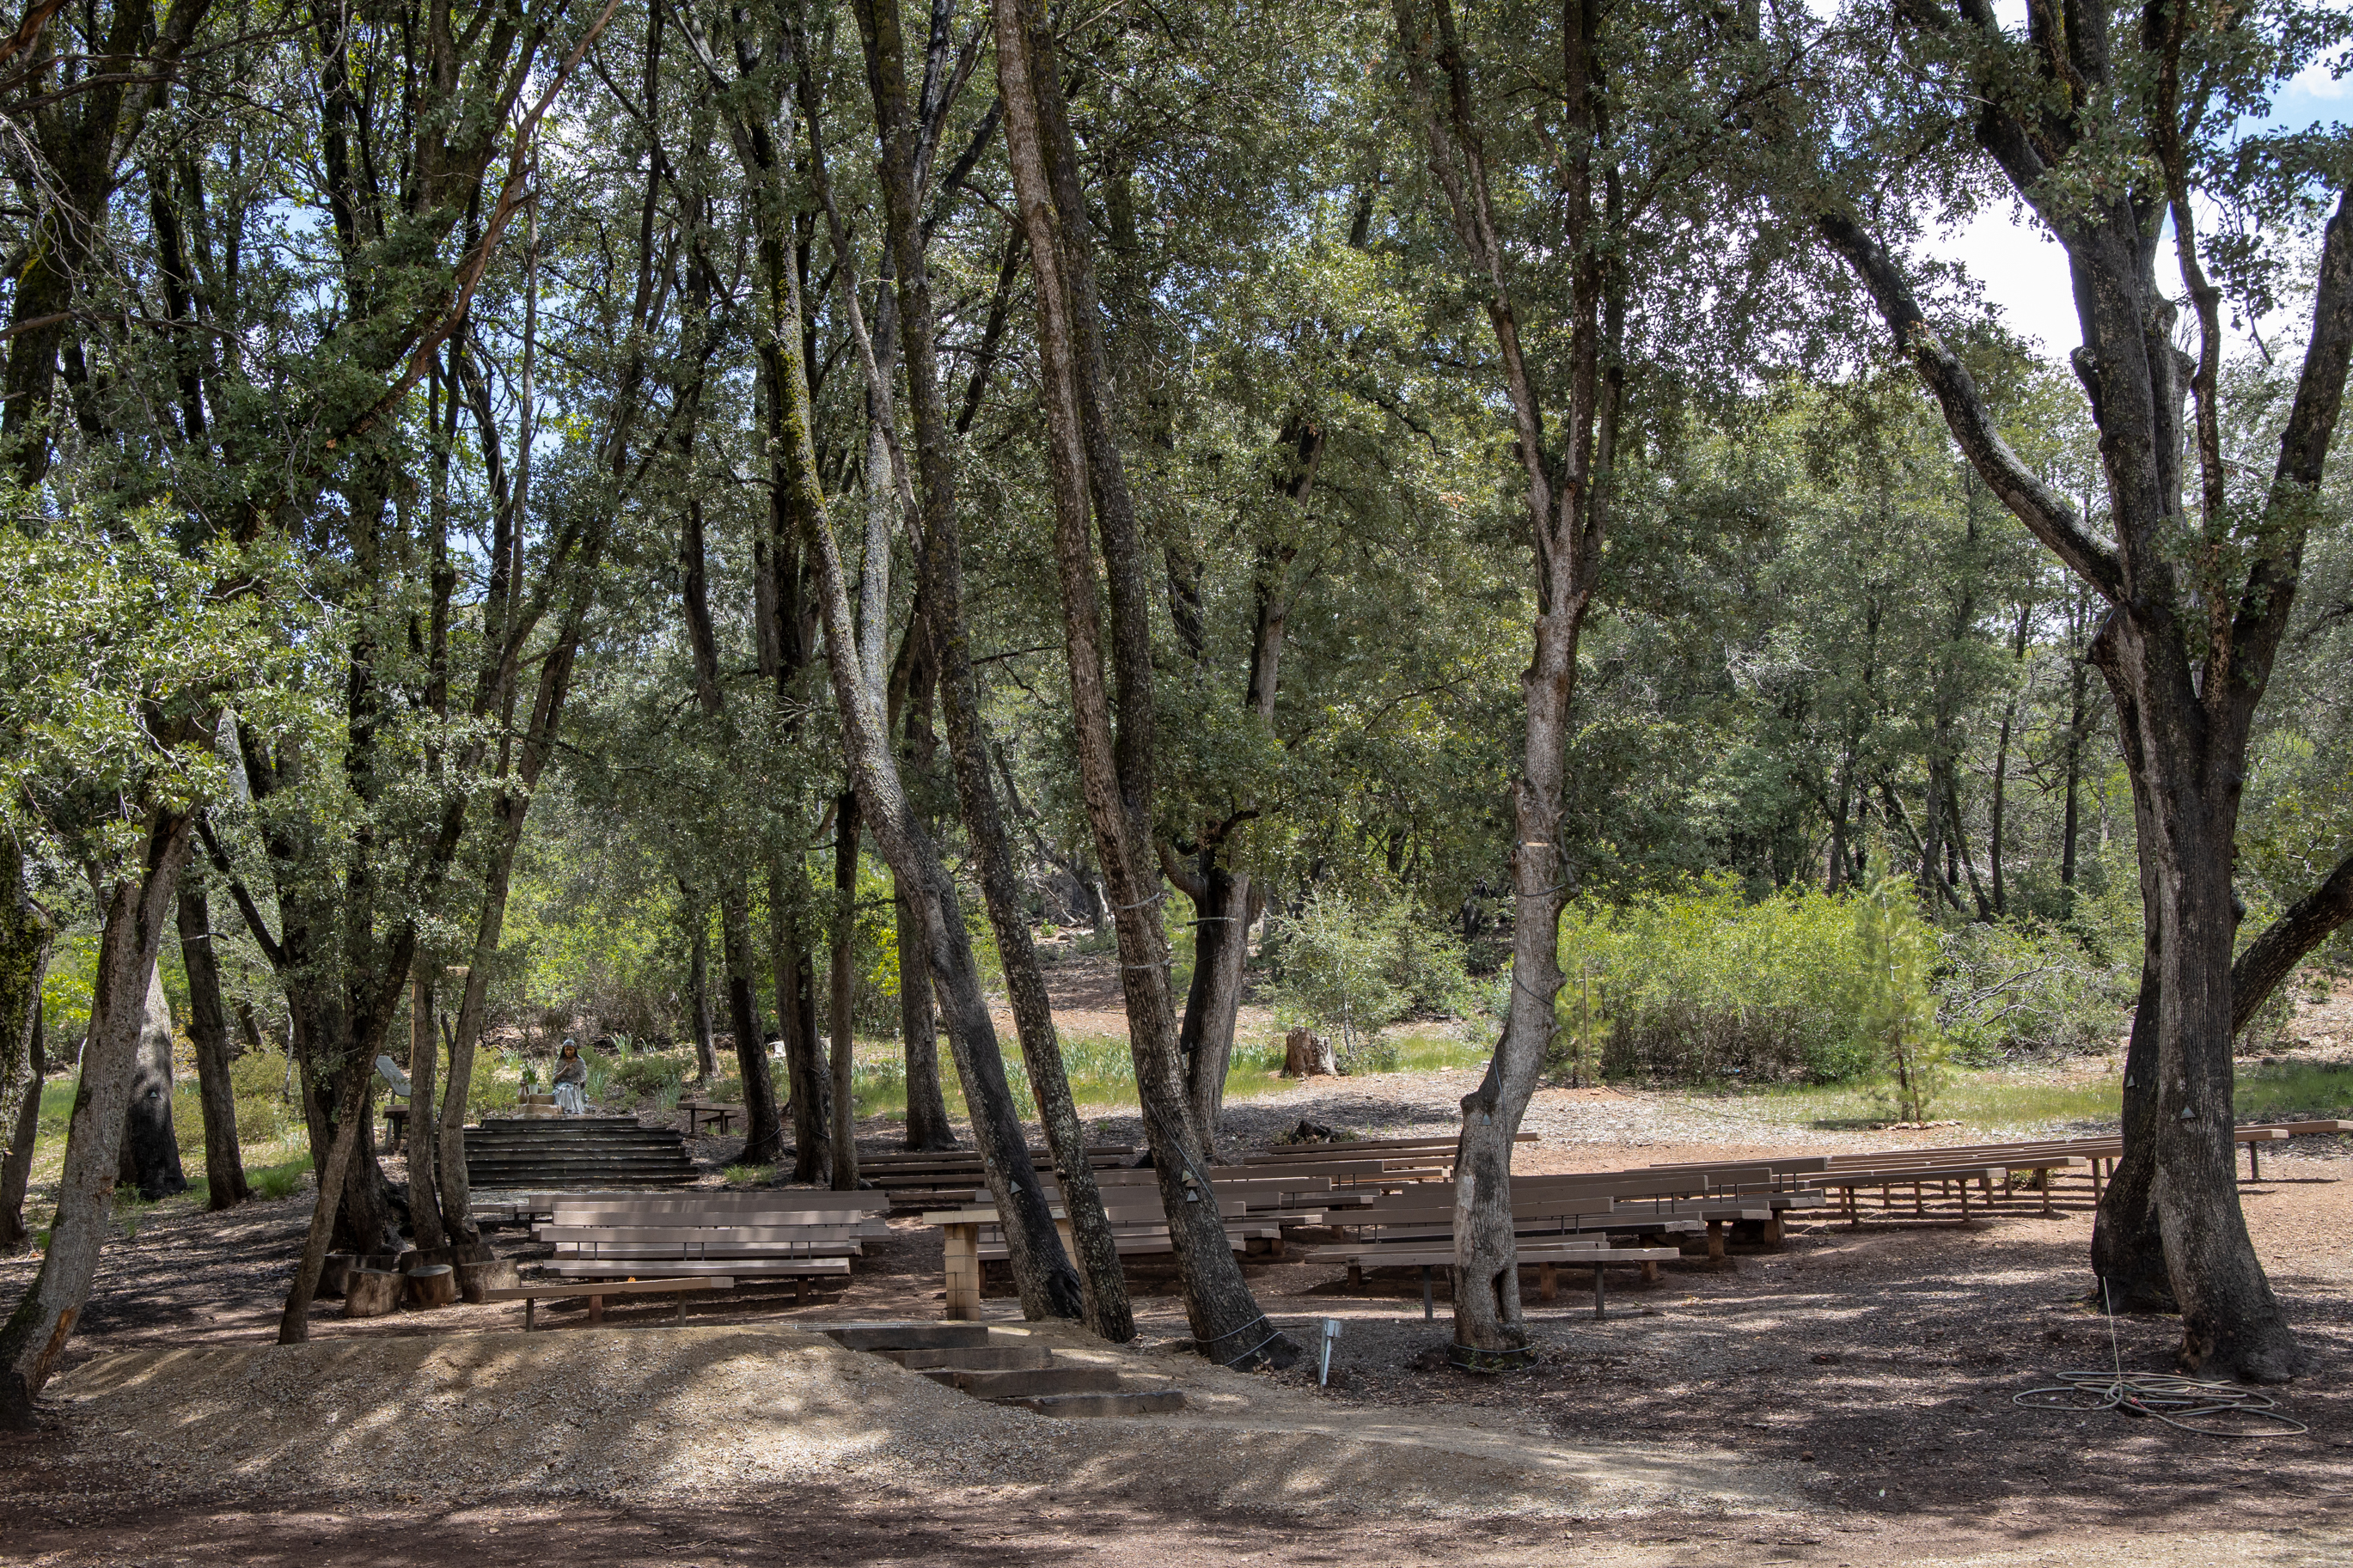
<point x="2270" y="958"/>
<point x="2045" y="513"/>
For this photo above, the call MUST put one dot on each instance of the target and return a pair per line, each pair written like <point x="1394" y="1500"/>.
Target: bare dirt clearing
<point x="1845" y="1400"/>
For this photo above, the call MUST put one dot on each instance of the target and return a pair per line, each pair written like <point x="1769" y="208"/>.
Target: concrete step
<point x="908" y="1336"/>
<point x="1139" y="1402"/>
<point x="1030" y="1383"/>
<point x="974" y="1358"/>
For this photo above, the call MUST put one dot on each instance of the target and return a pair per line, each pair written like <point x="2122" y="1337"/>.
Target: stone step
<point x="973" y="1358"/>
<point x="908" y="1336"/>
<point x="1139" y="1402"/>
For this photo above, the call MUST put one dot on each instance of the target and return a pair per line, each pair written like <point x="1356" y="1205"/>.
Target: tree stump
<point x="433" y="1285"/>
<point x="371" y="1293"/>
<point x="1307" y="1054"/>
<point x="337" y="1271"/>
<point x="478" y="1279"/>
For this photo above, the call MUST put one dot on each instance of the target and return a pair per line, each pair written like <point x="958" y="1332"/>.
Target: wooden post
<point x="1715" y="1235"/>
<point x="1428" y="1310"/>
<point x="596" y="1309"/>
<point x="2254" y="1161"/>
<point x="1547" y="1281"/>
<point x="962" y="1244"/>
<point x="1356" y="1278"/>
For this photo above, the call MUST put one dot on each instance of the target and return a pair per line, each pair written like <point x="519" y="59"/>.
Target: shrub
<point x="2006" y="988"/>
<point x="1350" y="970"/>
<point x="1895" y="1015"/>
<point x="1704" y="986"/>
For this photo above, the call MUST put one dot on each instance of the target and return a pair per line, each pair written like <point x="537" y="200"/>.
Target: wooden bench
<point x="701" y="1112"/>
<point x="532" y="1295"/>
<point x="1547" y="1257"/>
<point x="738" y="1235"/>
<point x="972" y="1237"/>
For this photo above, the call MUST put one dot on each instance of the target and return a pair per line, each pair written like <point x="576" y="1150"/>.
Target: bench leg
<point x="963" y="1248"/>
<point x="1773" y="1229"/>
<point x="2043" y="1178"/>
<point x="1428" y="1310"/>
<point x="1547" y="1281"/>
<point x="1965" y="1202"/>
<point x="1715" y="1237"/>
<point x="529" y="1312"/>
<point x="1601" y="1291"/>
<point x="680" y="1315"/>
<point x="2255" y="1162"/>
<point x="1356" y="1278"/>
<point x="596" y="1309"/>
<point x="800" y="1290"/>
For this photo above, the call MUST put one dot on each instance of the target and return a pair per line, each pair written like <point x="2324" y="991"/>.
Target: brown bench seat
<point x="532" y="1295"/>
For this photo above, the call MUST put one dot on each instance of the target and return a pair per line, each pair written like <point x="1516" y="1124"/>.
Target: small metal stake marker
<point x="1323" y="1366"/>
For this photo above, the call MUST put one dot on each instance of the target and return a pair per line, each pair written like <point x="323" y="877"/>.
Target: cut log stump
<point x="371" y="1293"/>
<point x="1307" y="1054"/>
<point x="435" y="1285"/>
<point x="476" y="1280"/>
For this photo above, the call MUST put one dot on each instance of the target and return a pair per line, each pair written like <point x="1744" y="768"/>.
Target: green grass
<point x="749" y="1176"/>
<point x="1998" y="1100"/>
<point x="2283" y="1091"/>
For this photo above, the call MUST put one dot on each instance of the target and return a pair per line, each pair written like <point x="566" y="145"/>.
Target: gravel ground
<point x="718" y="1414"/>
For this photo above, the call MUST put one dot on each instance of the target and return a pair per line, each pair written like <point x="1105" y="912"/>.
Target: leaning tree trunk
<point x="1115" y="773"/>
<point x="16" y="1168"/>
<point x="844" y="986"/>
<point x="151" y="1144"/>
<point x="137" y="910"/>
<point x="1102" y="1286"/>
<point x="224" y="1185"/>
<point x="25" y="933"/>
<point x="351" y="1107"/>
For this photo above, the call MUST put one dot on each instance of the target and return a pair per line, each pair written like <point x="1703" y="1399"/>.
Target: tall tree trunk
<point x="927" y="1110"/>
<point x="138" y="911"/>
<point x="2186" y="675"/>
<point x="764" y="1136"/>
<point x="915" y="683"/>
<point x="698" y="986"/>
<point x="1101" y="1287"/>
<point x="845" y="984"/>
<point x="1567" y="515"/>
<point x="151" y="1144"/>
<point x="1115" y="771"/>
<point x="423" y="1055"/>
<point x="225" y="1185"/>
<point x="1994" y="844"/>
<point x="806" y="1074"/>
